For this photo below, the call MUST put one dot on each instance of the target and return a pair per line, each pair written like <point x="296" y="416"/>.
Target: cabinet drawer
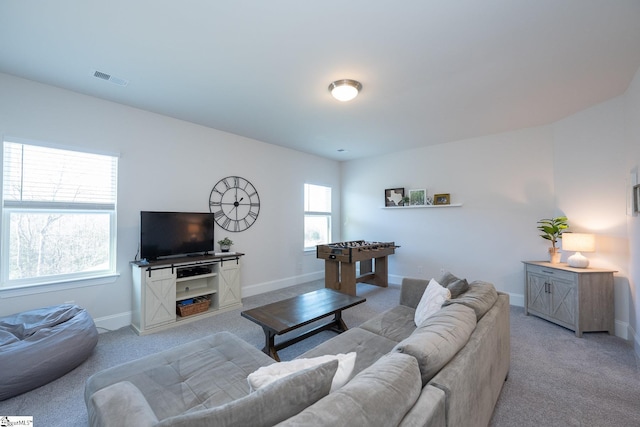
<point x="550" y="272"/>
<point x="156" y="273"/>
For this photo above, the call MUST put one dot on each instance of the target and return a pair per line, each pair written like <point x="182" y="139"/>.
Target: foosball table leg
<point x="332" y="275"/>
<point x="348" y="278"/>
<point x="382" y="272"/>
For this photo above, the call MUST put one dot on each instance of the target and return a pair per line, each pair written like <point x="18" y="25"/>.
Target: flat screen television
<point x="169" y="234"/>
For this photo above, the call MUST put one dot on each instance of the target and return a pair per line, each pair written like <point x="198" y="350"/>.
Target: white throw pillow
<point x="432" y="299"/>
<point x="267" y="374"/>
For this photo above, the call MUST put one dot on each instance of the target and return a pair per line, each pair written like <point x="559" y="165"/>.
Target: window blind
<point x="44" y="177"/>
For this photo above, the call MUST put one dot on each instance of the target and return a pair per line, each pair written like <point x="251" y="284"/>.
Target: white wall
<point x="168" y="164"/>
<point x="591" y="176"/>
<point x="632" y="117"/>
<point x="577" y="166"/>
<point x="505" y="183"/>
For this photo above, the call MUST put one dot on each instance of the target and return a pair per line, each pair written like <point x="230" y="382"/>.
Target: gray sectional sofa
<point x="448" y="371"/>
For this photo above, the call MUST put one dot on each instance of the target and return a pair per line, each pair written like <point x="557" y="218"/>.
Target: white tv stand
<point x="159" y="285"/>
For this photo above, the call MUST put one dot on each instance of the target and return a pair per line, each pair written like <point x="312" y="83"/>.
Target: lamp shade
<point x="578" y="242"/>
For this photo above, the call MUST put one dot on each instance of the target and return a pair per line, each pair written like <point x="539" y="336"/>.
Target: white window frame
<point x="26" y="286"/>
<point x="323" y="214"/>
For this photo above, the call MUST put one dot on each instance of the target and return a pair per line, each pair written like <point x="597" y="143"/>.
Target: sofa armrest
<point x="411" y="291"/>
<point x="429" y="410"/>
<point x="120" y="404"/>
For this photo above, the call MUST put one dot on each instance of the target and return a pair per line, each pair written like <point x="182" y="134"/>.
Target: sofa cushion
<point x="432" y="299"/>
<point x="439" y="338"/>
<point x="378" y="396"/>
<point x="411" y="291"/>
<point x="204" y="373"/>
<point x="456" y="285"/>
<point x="120" y="398"/>
<point x="368" y="346"/>
<point x="481" y="296"/>
<point x="268" y="374"/>
<point x="395" y="323"/>
<point x="270" y="405"/>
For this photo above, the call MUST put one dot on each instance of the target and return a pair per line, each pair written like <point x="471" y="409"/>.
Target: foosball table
<point x="341" y="259"/>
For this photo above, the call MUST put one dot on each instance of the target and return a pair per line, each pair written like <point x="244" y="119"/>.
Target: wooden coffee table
<point x="287" y="315"/>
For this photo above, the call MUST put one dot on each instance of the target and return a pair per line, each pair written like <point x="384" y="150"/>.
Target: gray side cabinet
<point x="580" y="299"/>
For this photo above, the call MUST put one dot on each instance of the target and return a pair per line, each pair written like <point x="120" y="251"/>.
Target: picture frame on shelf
<point x="442" y="199"/>
<point x="394" y="196"/>
<point x="417" y="197"/>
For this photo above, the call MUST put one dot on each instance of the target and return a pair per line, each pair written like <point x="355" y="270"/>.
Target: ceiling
<point x="432" y="71"/>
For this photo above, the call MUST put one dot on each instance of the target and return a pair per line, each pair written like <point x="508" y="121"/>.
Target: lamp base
<point x="578" y="260"/>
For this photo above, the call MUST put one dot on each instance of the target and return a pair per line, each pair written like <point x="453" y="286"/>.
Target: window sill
<point x="19" y="291"/>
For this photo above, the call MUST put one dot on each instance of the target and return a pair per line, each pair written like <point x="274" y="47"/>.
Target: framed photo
<point x="393" y="196"/>
<point x="636" y="199"/>
<point x="417" y="197"/>
<point x="442" y="199"/>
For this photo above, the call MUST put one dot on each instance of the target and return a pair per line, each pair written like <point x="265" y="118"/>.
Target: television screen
<point x="165" y="234"/>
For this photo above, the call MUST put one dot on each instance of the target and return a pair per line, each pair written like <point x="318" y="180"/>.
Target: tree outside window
<point x="58" y="214"/>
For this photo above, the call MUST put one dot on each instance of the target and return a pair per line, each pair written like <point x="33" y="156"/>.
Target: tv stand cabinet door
<point x="159" y="303"/>
<point x="229" y="292"/>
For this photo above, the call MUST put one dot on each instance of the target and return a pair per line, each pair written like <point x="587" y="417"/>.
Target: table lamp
<point x="578" y="242"/>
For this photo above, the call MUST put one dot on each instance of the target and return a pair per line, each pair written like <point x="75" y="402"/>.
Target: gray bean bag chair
<point x="41" y="345"/>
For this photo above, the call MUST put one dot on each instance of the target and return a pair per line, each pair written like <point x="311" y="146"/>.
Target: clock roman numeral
<point x="225" y="224"/>
<point x="219" y="214"/>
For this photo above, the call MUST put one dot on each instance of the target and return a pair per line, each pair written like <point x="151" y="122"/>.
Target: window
<point x="317" y="215"/>
<point x="58" y="214"/>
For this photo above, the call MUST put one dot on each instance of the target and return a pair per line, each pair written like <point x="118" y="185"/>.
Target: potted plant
<point x="552" y="229"/>
<point x="225" y="244"/>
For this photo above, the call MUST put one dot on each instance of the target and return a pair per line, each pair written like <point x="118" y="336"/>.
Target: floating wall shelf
<point x="453" y="205"/>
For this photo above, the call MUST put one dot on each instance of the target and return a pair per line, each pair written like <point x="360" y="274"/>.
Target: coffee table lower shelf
<point x="290" y="314"/>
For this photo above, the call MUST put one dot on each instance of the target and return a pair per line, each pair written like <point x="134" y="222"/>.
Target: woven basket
<point x="201" y="305"/>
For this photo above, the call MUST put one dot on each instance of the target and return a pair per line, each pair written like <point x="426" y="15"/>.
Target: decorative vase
<point x="224" y="248"/>
<point x="554" y="255"/>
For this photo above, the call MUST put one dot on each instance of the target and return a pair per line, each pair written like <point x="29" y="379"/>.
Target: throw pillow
<point x="268" y="406"/>
<point x="268" y="374"/>
<point x="454" y="284"/>
<point x="432" y="299"/>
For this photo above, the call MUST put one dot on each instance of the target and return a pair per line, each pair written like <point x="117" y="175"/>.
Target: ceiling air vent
<point x="109" y="78"/>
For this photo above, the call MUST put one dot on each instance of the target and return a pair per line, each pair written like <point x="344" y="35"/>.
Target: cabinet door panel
<point x="160" y="300"/>
<point x="229" y="285"/>
<point x="537" y="297"/>
<point x="563" y="301"/>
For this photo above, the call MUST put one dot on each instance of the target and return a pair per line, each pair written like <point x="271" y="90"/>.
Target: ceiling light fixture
<point x="345" y="89"/>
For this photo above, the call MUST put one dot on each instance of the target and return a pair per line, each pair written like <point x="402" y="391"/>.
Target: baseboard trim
<point x="633" y="336"/>
<point x="516" y="300"/>
<point x="113" y="322"/>
<point x="261" y="288"/>
<point x="621" y="329"/>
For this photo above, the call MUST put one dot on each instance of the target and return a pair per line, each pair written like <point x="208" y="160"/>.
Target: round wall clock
<point x="234" y="203"/>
